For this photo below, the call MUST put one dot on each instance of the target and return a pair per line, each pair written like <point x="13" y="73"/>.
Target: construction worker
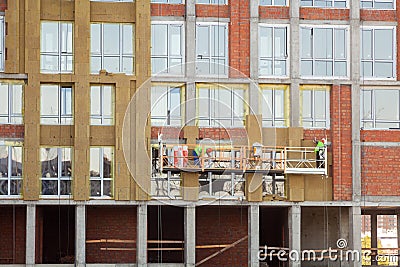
<point x="197" y="154"/>
<point x="320" y="152"/>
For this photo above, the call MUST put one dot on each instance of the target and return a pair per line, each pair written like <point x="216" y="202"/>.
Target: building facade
<point x="100" y="101"/>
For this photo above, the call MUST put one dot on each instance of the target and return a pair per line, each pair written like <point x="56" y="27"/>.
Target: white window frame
<point x="382" y="1"/>
<point x="101" y="178"/>
<point x="167" y="94"/>
<point x="166" y="2"/>
<point x="273" y="3"/>
<point x="169" y="56"/>
<point x="2" y="43"/>
<point x="287" y="48"/>
<point x="13" y="117"/>
<point x="102" y="116"/>
<point x="121" y="55"/>
<point x="373" y="119"/>
<point x="210" y="2"/>
<point x="333" y="59"/>
<point x="62" y="105"/>
<point x="333" y="4"/>
<point x="373" y="60"/>
<point x="59" y="177"/>
<point x="264" y="102"/>
<point x="60" y="54"/>
<point x="210" y="57"/>
<point x="10" y="178"/>
<point x="313" y="119"/>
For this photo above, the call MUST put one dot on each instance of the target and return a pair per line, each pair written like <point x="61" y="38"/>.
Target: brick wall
<point x="172" y="133"/>
<point x="13" y="233"/>
<point x="167" y="10"/>
<point x="216" y="11"/>
<point x="117" y="223"/>
<point x="11" y="131"/>
<point x="377" y="15"/>
<point x="311" y="13"/>
<point x="222" y="225"/>
<point x="273" y="12"/>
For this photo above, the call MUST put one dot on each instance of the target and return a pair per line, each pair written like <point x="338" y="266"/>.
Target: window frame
<point x="12" y="118"/>
<point x="207" y="185"/>
<point x="168" y="118"/>
<point x="59" y="54"/>
<point x="59" y="177"/>
<point x="169" y="56"/>
<point x="209" y="2"/>
<point x="374" y="2"/>
<point x="61" y="105"/>
<point x="2" y="43"/>
<point x="166" y="2"/>
<point x="333" y="59"/>
<point x="10" y="178"/>
<point x="101" y="116"/>
<point x="121" y="55"/>
<point x="287" y="49"/>
<point x="286" y="105"/>
<point x="333" y="4"/>
<point x="210" y="57"/>
<point x="313" y="119"/>
<point x="273" y="3"/>
<point x="373" y="60"/>
<point x="101" y="178"/>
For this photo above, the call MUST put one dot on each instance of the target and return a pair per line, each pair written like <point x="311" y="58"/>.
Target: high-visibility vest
<point x="198" y="150"/>
<point x="320" y="145"/>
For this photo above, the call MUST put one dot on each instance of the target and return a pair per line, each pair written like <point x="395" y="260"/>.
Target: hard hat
<point x="323" y="140"/>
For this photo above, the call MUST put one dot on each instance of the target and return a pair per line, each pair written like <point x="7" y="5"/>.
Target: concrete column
<point x="80" y="235"/>
<point x="254" y="234"/>
<point x="355" y="236"/>
<point x="190" y="236"/>
<point x="141" y="243"/>
<point x="295" y="233"/>
<point x="254" y="91"/>
<point x="294" y="63"/>
<point x="30" y="234"/>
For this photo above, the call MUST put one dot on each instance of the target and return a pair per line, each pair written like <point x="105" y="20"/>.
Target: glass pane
<point x="66" y="63"/>
<point x="127" y="45"/>
<point x="306" y="68"/>
<point x="4" y="187"/>
<point x="175" y="40"/>
<point x="95" y="188"/>
<point x="323" y="43"/>
<point x="94" y="162"/>
<point x="265" y="67"/>
<point x="15" y="187"/>
<point x="320" y="105"/>
<point x="65" y="187"/>
<point x="307" y="103"/>
<point x="306" y="43"/>
<point x="49" y="187"/>
<point x="107" y="100"/>
<point x="66" y="166"/>
<point x="49" y="102"/>
<point x="127" y="65"/>
<point x="280" y="67"/>
<point x="3" y="99"/>
<point x="280" y="43"/>
<point x="366" y="45"/>
<point x="202" y="41"/>
<point x="279" y="103"/>
<point x="95" y="38"/>
<point x="238" y="103"/>
<point x="111" y="39"/>
<point x="66" y="38"/>
<point x="49" y="40"/>
<point x="95" y="101"/>
<point x="4" y="161"/>
<point x="340" y="44"/>
<point x="366" y="69"/>
<point x="159" y="104"/>
<point x="384" y="69"/>
<point x="107" y="188"/>
<point x="366" y="99"/>
<point x="203" y="101"/>
<point x="16" y="165"/>
<point x="384" y="5"/>
<point x="111" y="64"/>
<point x="323" y="68"/>
<point x="158" y="65"/>
<point x="203" y="66"/>
<point x="387" y="104"/>
<point x="266" y="104"/>
<point x="49" y="63"/>
<point x="175" y="102"/>
<point x="222" y="103"/>
<point x="159" y="40"/>
<point x="95" y="65"/>
<point x="265" y="42"/>
<point x="108" y="162"/>
<point x="218" y="41"/>
<point x="175" y="65"/>
<point x="383" y="44"/>
<point x="340" y="69"/>
<point x="66" y="101"/>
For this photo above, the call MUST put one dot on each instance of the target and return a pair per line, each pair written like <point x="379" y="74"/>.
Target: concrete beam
<point x="190" y="235"/>
<point x="80" y="235"/>
<point x="30" y="234"/>
<point x="141" y="243"/>
<point x="254" y="234"/>
<point x="295" y="232"/>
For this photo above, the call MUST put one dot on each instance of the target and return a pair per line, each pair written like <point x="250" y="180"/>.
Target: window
<point x="112" y="48"/>
<point x="221" y="186"/>
<point x="56" y="104"/>
<point x="378" y="52"/>
<point x="378" y="4"/>
<point x="2" y="43"/>
<point x="212" y="49"/>
<point x="217" y="2"/>
<point x="380" y="108"/>
<point x="167" y="47"/>
<point x="10" y="103"/>
<point x="101" y="171"/>
<point x="324" y="51"/>
<point x="56" y="171"/>
<point x="324" y="3"/>
<point x="273" y="50"/>
<point x="273" y="2"/>
<point x="274" y="105"/>
<point x="167" y="1"/>
<point x="10" y="170"/>
<point x="101" y="105"/>
<point x="315" y="107"/>
<point x="166" y="108"/>
<point x="221" y="106"/>
<point x="56" y="48"/>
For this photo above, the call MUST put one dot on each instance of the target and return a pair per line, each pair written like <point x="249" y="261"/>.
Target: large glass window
<point x="324" y="51"/>
<point x="380" y="108"/>
<point x="274" y="105"/>
<point x="101" y="171"/>
<point x="324" y="3"/>
<point x="112" y="48"/>
<point x="212" y="49"/>
<point x="273" y="50"/>
<point x="378" y="4"/>
<point x="221" y="106"/>
<point x="10" y="103"/>
<point x="166" y="107"/>
<point x="101" y="105"/>
<point x="56" y="104"/>
<point x="10" y="170"/>
<point x="167" y="47"/>
<point x="273" y="2"/>
<point x="378" y="55"/>
<point x="56" y="47"/>
<point x="315" y="107"/>
<point x="56" y="171"/>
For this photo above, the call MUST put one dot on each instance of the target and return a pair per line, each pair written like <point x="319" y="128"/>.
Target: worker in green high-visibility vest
<point x="320" y="152"/>
<point x="197" y="154"/>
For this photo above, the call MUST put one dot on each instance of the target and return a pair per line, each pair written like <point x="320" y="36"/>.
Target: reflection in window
<point x="378" y="52"/>
<point x="315" y="107"/>
<point x="101" y="105"/>
<point x="323" y="51"/>
<point x="10" y="103"/>
<point x="56" y="49"/>
<point x="273" y="50"/>
<point x="56" y="104"/>
<point x="273" y="2"/>
<point x="101" y="171"/>
<point x="112" y="48"/>
<point x="212" y="49"/>
<point x="273" y="106"/>
<point x="166" y="108"/>
<point x="167" y="47"/>
<point x="221" y="106"/>
<point x="56" y="171"/>
<point x="222" y="186"/>
<point x="10" y="170"/>
<point x="274" y="184"/>
<point x="324" y="3"/>
<point x="377" y="4"/>
<point x="380" y="108"/>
